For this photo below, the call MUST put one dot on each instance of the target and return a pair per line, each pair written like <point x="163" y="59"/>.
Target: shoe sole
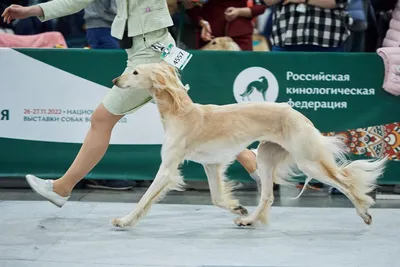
<point x="109" y="188"/>
<point x="34" y="190"/>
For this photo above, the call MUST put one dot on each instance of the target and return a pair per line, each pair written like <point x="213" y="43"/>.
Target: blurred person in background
<point x="232" y="18"/>
<point x="99" y="16"/>
<point x="309" y="25"/>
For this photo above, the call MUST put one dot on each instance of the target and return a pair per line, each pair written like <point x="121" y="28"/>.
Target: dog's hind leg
<point x="274" y="165"/>
<point x="354" y="180"/>
<point x="248" y="92"/>
<point x="167" y="178"/>
<point x="221" y="190"/>
<point x="323" y="158"/>
<point x="330" y="176"/>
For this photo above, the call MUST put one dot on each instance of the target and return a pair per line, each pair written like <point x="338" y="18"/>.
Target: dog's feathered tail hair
<point x="358" y="176"/>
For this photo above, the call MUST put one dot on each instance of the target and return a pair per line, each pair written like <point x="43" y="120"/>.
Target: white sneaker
<point x="45" y="189"/>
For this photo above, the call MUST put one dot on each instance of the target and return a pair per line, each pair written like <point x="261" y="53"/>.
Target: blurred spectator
<point x="173" y="6"/>
<point x="392" y="38"/>
<point x="309" y="25"/>
<point x="99" y="16"/>
<point x="358" y="10"/>
<point x="232" y="18"/>
<point x="183" y="30"/>
<point x="380" y="14"/>
<point x="73" y="29"/>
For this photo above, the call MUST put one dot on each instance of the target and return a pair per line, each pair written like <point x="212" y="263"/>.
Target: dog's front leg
<point x="221" y="191"/>
<point x="167" y="178"/>
<point x="266" y="168"/>
<point x="261" y="212"/>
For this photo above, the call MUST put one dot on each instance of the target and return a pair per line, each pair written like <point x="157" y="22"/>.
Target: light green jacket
<point x="139" y="16"/>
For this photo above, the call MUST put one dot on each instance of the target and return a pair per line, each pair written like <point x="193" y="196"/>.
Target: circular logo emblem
<point x="255" y="84"/>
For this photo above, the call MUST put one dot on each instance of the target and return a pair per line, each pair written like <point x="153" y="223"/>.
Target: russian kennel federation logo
<point x="255" y="84"/>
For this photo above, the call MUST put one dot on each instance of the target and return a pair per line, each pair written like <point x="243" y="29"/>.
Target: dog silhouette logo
<point x="255" y="84"/>
<point x="260" y="85"/>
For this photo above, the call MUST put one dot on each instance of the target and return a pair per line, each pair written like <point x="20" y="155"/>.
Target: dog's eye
<point x="214" y="43"/>
<point x="135" y="73"/>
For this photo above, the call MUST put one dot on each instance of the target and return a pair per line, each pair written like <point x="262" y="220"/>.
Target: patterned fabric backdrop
<point x="374" y="141"/>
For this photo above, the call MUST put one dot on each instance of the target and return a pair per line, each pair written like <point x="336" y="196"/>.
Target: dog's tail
<point x="361" y="177"/>
<point x="357" y="178"/>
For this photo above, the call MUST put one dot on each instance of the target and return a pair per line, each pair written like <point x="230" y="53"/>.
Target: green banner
<point x="339" y="93"/>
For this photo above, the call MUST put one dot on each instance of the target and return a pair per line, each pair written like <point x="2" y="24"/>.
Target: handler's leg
<point x="247" y="159"/>
<point x="92" y="151"/>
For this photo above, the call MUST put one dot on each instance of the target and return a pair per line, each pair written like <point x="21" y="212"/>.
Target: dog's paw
<point x="367" y="218"/>
<point x="121" y="222"/>
<point x="243" y="222"/>
<point x="240" y="210"/>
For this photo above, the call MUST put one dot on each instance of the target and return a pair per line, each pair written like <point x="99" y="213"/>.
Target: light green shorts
<point x="122" y="101"/>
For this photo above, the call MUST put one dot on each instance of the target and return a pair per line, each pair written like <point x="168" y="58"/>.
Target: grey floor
<point x="185" y="230"/>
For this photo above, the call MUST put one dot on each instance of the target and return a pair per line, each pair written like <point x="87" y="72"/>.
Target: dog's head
<point x="222" y="44"/>
<point x="160" y="79"/>
<point x="159" y="76"/>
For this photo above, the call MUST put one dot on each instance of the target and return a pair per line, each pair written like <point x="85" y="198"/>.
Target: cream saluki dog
<point x="213" y="135"/>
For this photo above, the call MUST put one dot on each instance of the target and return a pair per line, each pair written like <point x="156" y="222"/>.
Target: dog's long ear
<point x="168" y="86"/>
<point x="165" y="76"/>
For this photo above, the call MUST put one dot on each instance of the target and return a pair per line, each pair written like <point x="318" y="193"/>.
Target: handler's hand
<point x="206" y="33"/>
<point x="20" y="12"/>
<point x="231" y="13"/>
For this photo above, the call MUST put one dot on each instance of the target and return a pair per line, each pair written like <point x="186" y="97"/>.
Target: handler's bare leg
<point x="248" y="160"/>
<point x="91" y="152"/>
<point x="93" y="149"/>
